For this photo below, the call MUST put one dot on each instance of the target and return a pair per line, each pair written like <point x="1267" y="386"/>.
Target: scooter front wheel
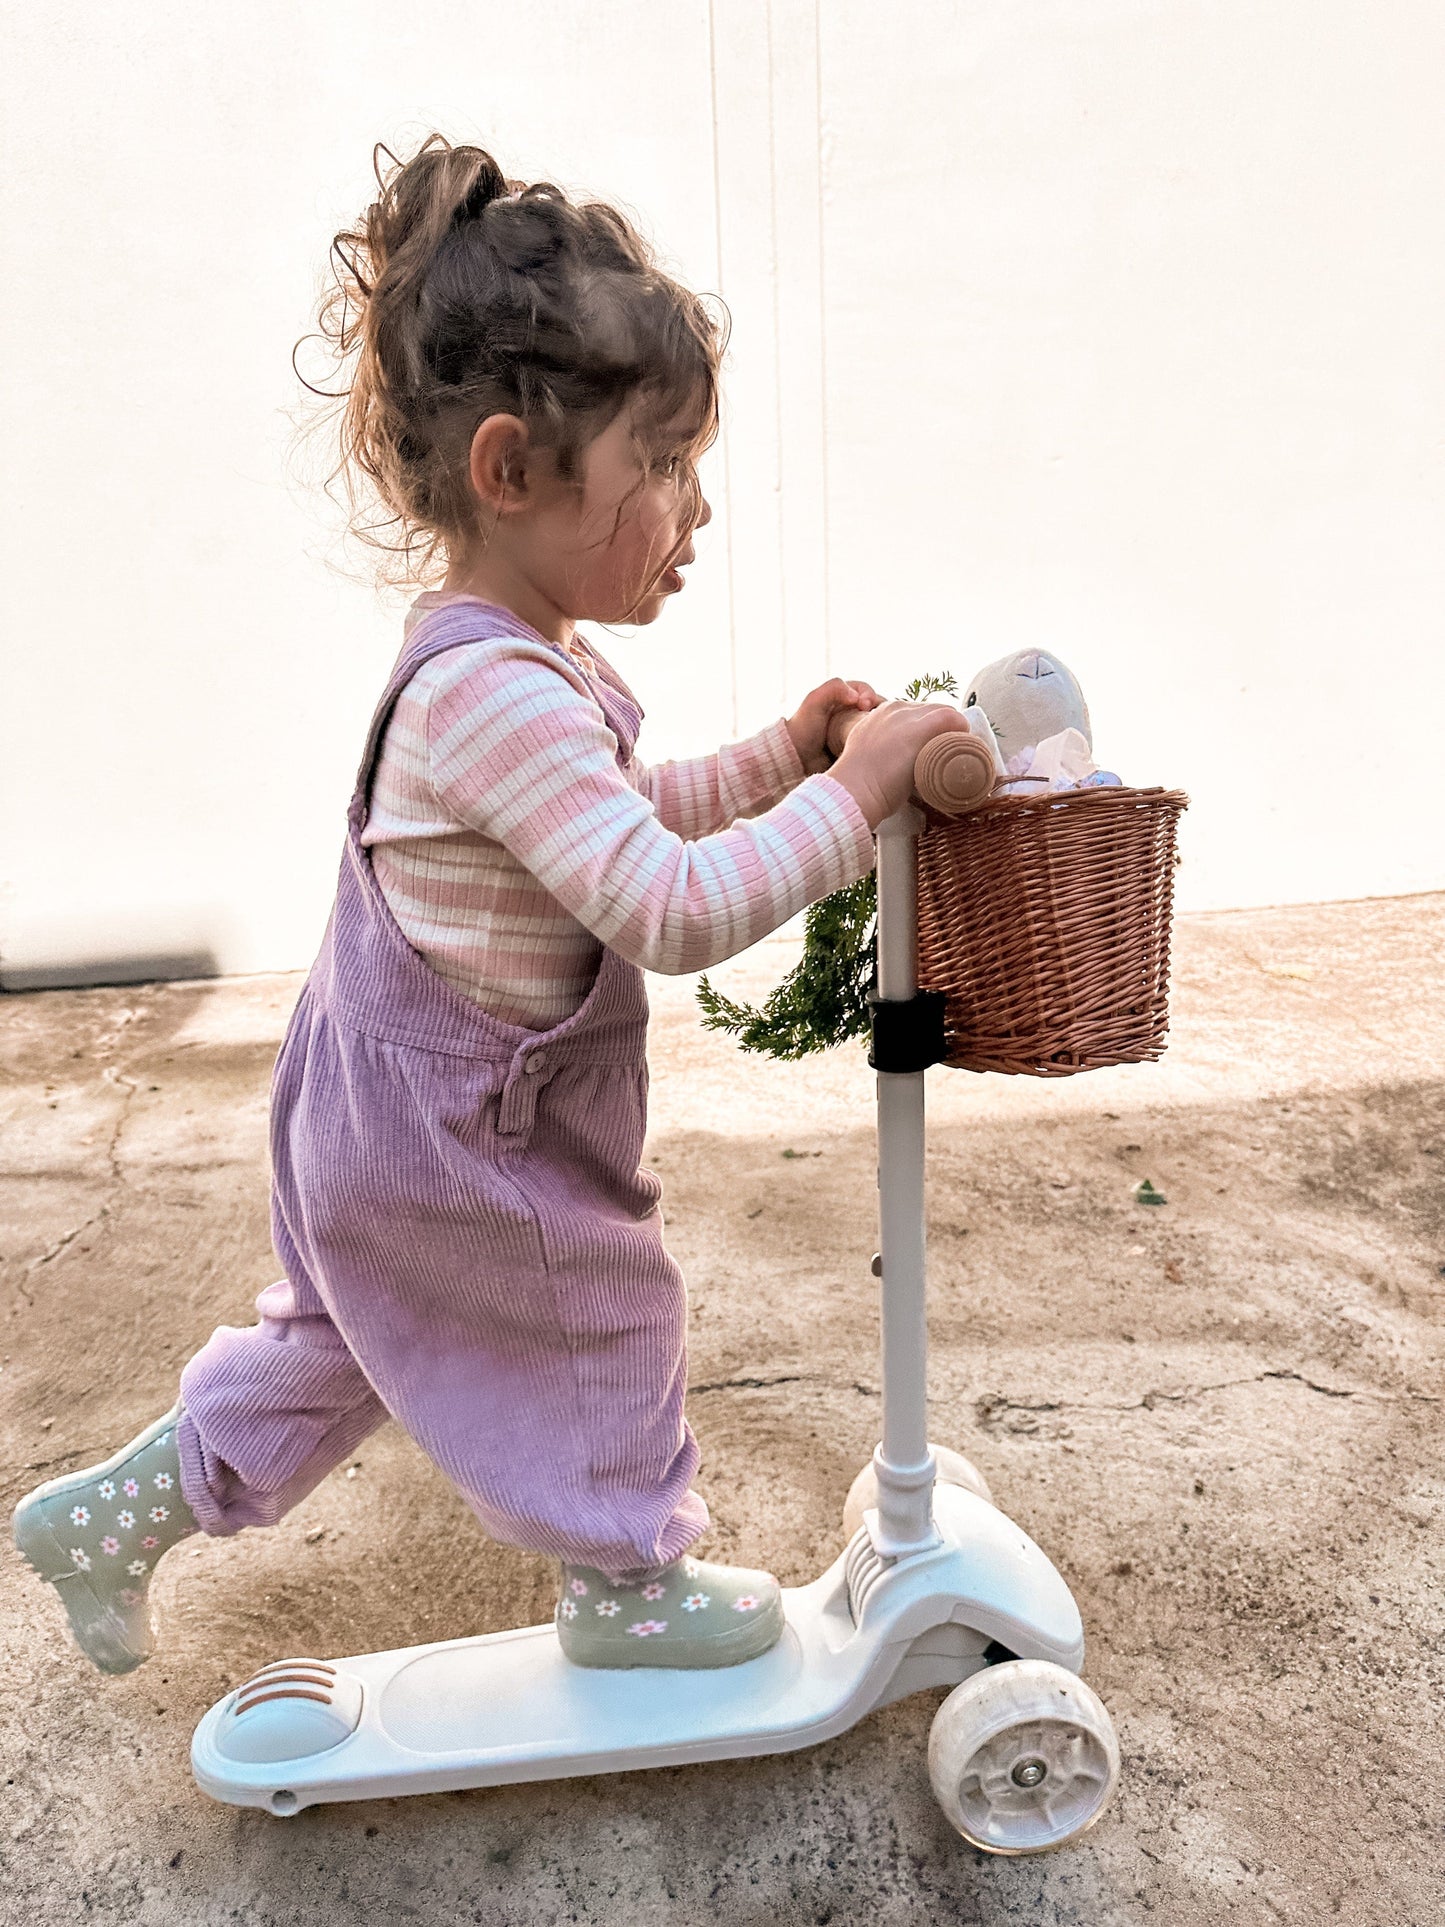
<point x="1023" y="1757"/>
<point x="953" y="1469"/>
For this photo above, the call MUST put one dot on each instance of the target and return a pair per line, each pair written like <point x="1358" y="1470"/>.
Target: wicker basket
<point x="1046" y="920"/>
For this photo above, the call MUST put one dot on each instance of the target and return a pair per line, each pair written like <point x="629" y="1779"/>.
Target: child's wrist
<point x="813" y="754"/>
<point x="864" y="792"/>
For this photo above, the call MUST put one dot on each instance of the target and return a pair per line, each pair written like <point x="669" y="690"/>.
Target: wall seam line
<point x="823" y="337"/>
<point x="726" y="431"/>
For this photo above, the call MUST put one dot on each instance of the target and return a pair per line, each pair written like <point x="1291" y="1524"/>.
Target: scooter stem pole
<point x="903" y="1464"/>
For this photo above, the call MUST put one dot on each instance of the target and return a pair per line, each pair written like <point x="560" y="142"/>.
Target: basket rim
<point x="1097" y="796"/>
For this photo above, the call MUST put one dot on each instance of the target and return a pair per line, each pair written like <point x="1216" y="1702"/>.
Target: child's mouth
<point x="673" y="581"/>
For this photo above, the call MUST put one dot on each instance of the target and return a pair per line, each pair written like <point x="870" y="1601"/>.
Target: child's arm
<point x="702" y="794"/>
<point x="707" y="793"/>
<point x="519" y="751"/>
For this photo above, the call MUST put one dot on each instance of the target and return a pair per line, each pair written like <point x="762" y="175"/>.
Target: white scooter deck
<point x="509" y="1706"/>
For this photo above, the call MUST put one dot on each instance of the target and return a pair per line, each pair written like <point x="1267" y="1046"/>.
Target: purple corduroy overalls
<point x="469" y="1241"/>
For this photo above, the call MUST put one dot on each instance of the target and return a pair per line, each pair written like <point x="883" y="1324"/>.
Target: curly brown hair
<point x="461" y="294"/>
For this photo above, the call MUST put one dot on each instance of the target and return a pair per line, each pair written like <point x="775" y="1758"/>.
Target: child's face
<point x="634" y="524"/>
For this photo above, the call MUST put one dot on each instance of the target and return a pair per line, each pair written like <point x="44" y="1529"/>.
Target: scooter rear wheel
<point x="953" y="1469"/>
<point x="1023" y="1757"/>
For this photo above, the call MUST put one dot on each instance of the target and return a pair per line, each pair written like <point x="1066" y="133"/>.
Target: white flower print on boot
<point x="691" y="1614"/>
<point x="93" y="1552"/>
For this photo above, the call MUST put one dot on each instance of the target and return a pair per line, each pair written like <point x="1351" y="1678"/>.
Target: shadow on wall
<point x="141" y="967"/>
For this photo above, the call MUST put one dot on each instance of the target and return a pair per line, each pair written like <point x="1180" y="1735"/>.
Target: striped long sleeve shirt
<point x="510" y="845"/>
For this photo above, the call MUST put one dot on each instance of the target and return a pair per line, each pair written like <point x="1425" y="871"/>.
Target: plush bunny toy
<point x="1026" y="698"/>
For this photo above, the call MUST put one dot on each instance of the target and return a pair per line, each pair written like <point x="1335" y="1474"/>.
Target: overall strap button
<point x="537" y="1061"/>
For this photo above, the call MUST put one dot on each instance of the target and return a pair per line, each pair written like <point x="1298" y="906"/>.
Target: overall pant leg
<point x="490" y="1254"/>
<point x="268" y="1411"/>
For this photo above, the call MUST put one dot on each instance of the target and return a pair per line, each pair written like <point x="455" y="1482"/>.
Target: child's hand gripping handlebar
<point x="902" y="749"/>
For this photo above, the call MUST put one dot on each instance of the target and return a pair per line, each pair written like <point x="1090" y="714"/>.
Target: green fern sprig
<point x="823" y="1000"/>
<point x="921" y="686"/>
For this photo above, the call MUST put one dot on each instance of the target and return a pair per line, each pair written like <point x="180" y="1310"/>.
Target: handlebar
<point x="954" y="771"/>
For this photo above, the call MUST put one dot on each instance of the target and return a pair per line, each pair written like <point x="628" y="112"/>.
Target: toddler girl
<point x="469" y="1242"/>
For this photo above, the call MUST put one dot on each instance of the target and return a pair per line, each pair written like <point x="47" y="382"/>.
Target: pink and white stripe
<point x="510" y="847"/>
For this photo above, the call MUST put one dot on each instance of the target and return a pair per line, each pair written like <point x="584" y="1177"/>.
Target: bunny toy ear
<point x="980" y="726"/>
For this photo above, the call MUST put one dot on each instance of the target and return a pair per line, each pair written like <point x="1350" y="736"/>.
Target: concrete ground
<point x="1221" y="1418"/>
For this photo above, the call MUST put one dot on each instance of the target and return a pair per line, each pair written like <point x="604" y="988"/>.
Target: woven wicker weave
<point x="1046" y="921"/>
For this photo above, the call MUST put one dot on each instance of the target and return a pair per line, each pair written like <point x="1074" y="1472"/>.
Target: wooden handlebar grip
<point x="954" y="772"/>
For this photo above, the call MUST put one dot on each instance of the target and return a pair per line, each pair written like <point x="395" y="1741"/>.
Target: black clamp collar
<point x="909" y="1035"/>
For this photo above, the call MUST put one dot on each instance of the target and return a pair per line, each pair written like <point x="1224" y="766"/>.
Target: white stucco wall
<point x="1108" y="325"/>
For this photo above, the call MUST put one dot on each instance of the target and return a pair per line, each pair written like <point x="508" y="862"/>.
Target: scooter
<point x="936" y="1587"/>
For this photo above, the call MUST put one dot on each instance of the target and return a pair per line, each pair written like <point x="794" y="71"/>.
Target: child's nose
<point x="704" y="514"/>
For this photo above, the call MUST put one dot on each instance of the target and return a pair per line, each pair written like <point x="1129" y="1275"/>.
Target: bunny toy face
<point x="1028" y="697"/>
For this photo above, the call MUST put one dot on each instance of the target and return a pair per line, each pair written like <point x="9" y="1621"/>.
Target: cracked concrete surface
<point x="1221" y="1418"/>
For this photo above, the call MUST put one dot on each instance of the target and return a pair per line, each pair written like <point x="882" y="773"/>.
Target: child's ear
<point x="500" y="464"/>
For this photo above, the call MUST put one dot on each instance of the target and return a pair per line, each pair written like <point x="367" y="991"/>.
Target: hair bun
<point x="490" y="185"/>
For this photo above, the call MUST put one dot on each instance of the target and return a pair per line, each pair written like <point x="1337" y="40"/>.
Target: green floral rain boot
<point x="688" y="1614"/>
<point x="96" y="1536"/>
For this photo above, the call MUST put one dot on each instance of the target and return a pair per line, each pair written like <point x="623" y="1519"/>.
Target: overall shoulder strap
<point x="449" y="627"/>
